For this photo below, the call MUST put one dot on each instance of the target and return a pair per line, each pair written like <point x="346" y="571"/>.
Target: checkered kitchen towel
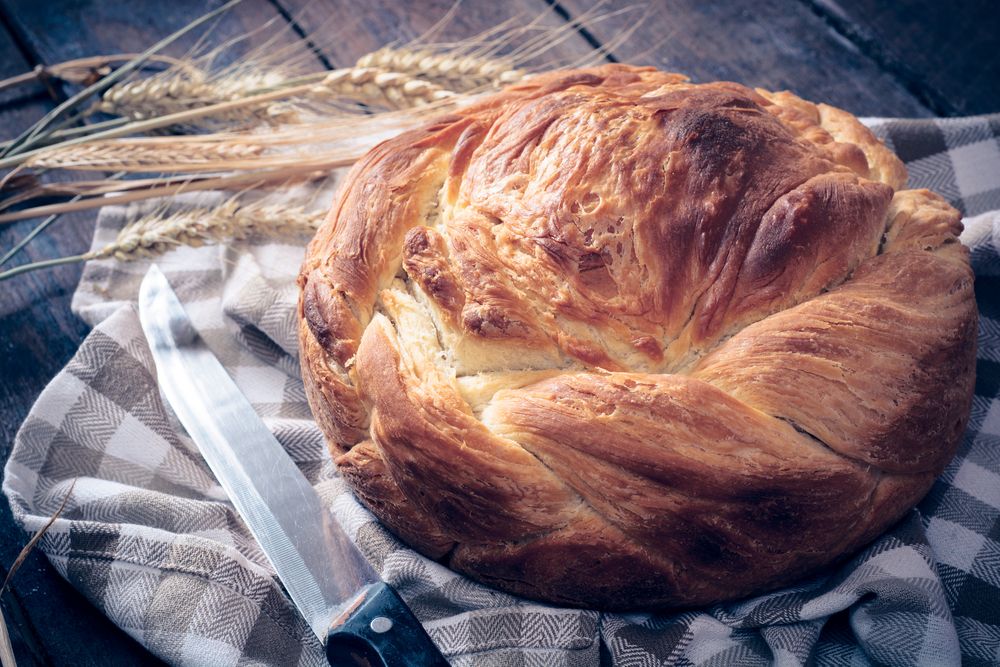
<point x="149" y="537"/>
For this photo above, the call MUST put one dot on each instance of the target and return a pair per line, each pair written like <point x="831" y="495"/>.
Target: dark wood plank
<point x="59" y="30"/>
<point x="946" y="53"/>
<point x="344" y="31"/>
<point x="775" y="44"/>
<point x="48" y="619"/>
<point x="51" y="622"/>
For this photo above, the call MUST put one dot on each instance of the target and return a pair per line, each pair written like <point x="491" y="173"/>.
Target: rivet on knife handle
<point x="379" y="629"/>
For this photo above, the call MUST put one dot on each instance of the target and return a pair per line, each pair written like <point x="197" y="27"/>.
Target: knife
<point x="359" y="618"/>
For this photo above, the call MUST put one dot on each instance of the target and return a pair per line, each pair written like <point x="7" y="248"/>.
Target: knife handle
<point x="380" y="631"/>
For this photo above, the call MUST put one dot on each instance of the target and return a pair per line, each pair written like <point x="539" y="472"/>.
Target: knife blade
<point x="358" y="617"/>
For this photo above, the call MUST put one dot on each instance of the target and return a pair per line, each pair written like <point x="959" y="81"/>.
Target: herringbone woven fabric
<point x="150" y="538"/>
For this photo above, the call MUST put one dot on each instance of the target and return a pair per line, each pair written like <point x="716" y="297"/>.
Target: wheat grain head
<point x="154" y="234"/>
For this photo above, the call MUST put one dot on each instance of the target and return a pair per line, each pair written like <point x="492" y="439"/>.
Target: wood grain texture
<point x="65" y="29"/>
<point x="774" y="44"/>
<point x="946" y="53"/>
<point x="346" y="32"/>
<point x="38" y="334"/>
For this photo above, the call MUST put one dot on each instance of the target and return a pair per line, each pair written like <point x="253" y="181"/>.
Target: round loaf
<point x="612" y="339"/>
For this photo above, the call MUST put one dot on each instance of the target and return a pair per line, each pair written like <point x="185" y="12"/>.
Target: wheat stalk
<point x="175" y="91"/>
<point x="410" y="81"/>
<point x="37" y="132"/>
<point x="456" y="71"/>
<point x="143" y="154"/>
<point x="83" y="70"/>
<point x="251" y="179"/>
<point x="6" y="650"/>
<point x="316" y="145"/>
<point x="369" y="85"/>
<point x="155" y="234"/>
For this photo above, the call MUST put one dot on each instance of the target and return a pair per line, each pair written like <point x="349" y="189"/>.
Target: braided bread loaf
<point x="612" y="339"/>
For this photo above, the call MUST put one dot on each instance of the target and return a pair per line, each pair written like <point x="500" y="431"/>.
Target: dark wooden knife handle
<point x="380" y="631"/>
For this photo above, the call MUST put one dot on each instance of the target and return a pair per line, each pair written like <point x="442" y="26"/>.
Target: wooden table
<point x="909" y="58"/>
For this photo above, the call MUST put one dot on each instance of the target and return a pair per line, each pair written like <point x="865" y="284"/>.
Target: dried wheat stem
<point x="6" y="650"/>
<point x="173" y="92"/>
<point x="458" y="72"/>
<point x="395" y="90"/>
<point x="155" y="234"/>
<point x="37" y="132"/>
<point x="252" y="179"/>
<point x="367" y="85"/>
<point x="141" y="155"/>
<point x="83" y="70"/>
<point x="91" y="188"/>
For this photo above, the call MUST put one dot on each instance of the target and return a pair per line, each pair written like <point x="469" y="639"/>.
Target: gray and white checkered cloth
<point x="149" y="537"/>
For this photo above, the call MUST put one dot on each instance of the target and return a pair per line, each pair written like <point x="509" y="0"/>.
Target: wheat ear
<point x="458" y="72"/>
<point x="140" y="155"/>
<point x="155" y="234"/>
<point x="173" y="91"/>
<point x="368" y="85"/>
<point x="373" y="85"/>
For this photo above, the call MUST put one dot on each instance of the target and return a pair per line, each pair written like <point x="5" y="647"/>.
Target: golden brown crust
<point x="365" y="470"/>
<point x="891" y="353"/>
<point x="612" y="339"/>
